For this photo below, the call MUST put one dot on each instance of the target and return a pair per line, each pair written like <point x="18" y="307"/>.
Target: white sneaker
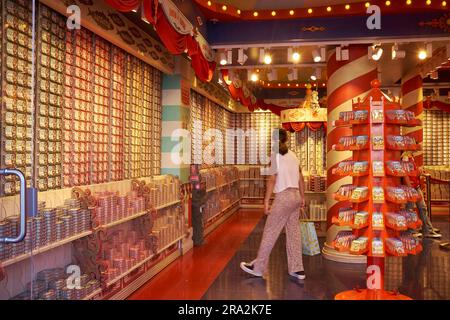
<point x="299" y="275"/>
<point x="248" y="267"/>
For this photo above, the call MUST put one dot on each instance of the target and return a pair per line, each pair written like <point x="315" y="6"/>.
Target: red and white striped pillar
<point x="347" y="81"/>
<point x="412" y="100"/>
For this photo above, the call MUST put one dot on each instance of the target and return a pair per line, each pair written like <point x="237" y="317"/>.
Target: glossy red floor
<point x="190" y="276"/>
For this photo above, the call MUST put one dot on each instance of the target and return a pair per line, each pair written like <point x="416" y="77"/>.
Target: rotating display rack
<point x="376" y="198"/>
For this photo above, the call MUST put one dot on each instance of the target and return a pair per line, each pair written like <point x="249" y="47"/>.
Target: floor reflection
<point x="425" y="276"/>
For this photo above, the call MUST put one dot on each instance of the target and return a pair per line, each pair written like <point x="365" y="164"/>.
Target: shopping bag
<point x="310" y="243"/>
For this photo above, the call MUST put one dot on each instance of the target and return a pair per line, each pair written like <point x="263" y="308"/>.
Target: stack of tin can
<point x="5" y="231"/>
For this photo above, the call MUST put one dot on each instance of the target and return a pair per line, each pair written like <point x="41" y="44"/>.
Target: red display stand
<point x="376" y="199"/>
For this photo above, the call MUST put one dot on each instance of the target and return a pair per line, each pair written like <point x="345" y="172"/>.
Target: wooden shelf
<point x="221" y="186"/>
<point x="168" y="204"/>
<point x="115" y="223"/>
<point x="44" y="249"/>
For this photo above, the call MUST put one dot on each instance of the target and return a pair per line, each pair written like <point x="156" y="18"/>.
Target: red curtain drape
<point x="428" y="104"/>
<point x="299" y="126"/>
<point x="175" y="42"/>
<point x="314" y="126"/>
<point x="123" y="5"/>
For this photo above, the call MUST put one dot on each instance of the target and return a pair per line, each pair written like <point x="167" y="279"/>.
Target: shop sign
<point x="176" y="18"/>
<point x="304" y="115"/>
<point x="208" y="53"/>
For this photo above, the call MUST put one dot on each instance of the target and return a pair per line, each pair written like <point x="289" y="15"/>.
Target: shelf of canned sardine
<point x="54" y="227"/>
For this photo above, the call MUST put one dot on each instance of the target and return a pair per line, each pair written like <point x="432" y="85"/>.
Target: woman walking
<point x="286" y="181"/>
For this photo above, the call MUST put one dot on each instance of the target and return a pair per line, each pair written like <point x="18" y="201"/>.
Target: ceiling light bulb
<point x="255" y="14"/>
<point x="291" y="12"/>
<point x="367" y="4"/>
<point x="422" y="55"/>
<point x="223" y="59"/>
<point x="377" y="53"/>
<point x="347" y="7"/>
<point x="388" y="3"/>
<point x="310" y="10"/>
<point x="317" y="57"/>
<point x="313" y="78"/>
<point x="296" y="57"/>
<point x="209" y="3"/>
<point x="267" y="59"/>
<point x="224" y="8"/>
<point x="408" y="2"/>
<point x="444" y="3"/>
<point x="254" y="77"/>
<point x="279" y="84"/>
<point x="273" y="13"/>
<point x="329" y="9"/>
<point x="238" y="11"/>
<point x="428" y="2"/>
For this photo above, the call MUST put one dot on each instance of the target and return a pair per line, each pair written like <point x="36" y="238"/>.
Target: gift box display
<point x="168" y="226"/>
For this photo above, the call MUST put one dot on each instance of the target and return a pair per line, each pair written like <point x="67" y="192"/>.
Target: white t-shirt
<point x="287" y="169"/>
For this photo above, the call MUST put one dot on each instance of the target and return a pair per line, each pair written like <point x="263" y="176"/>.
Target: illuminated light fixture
<point x="317" y="74"/>
<point x="388" y="3"/>
<point x="226" y="57"/>
<point x="296" y="84"/>
<point x="323" y="84"/>
<point x="238" y="11"/>
<point x="264" y="57"/>
<point x="274" y="13"/>
<point x="288" y="84"/>
<point x="268" y="84"/>
<point x="444" y="3"/>
<point x="375" y="52"/>
<point x="224" y="8"/>
<point x="279" y="84"/>
<point x="396" y="53"/>
<point x="293" y="56"/>
<point x="255" y="14"/>
<point x="310" y="10"/>
<point x="134" y="10"/>
<point x="347" y="7"/>
<point x="272" y="75"/>
<point x="342" y="54"/>
<point x="422" y="55"/>
<point x="313" y="77"/>
<point x="428" y="2"/>
<point x="427" y="53"/>
<point x="242" y="57"/>
<point x="408" y="2"/>
<point x="367" y="4"/>
<point x="252" y="76"/>
<point x="291" y="12"/>
<point x="209" y="3"/>
<point x="319" y="56"/>
<point x="329" y="9"/>
<point x="293" y="75"/>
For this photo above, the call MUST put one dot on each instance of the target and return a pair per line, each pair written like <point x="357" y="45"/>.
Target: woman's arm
<point x="301" y="188"/>
<point x="269" y="190"/>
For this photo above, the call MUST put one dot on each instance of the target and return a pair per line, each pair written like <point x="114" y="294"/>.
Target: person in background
<point x="286" y="181"/>
<point x="427" y="228"/>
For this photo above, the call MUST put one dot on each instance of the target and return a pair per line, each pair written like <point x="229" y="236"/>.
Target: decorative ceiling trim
<point x="221" y="11"/>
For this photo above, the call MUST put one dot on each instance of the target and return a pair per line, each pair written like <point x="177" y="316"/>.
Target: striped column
<point x="412" y="100"/>
<point x="175" y="115"/>
<point x="347" y="81"/>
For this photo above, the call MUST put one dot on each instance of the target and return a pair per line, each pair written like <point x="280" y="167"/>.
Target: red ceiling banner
<point x="175" y="32"/>
<point x="428" y="104"/>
